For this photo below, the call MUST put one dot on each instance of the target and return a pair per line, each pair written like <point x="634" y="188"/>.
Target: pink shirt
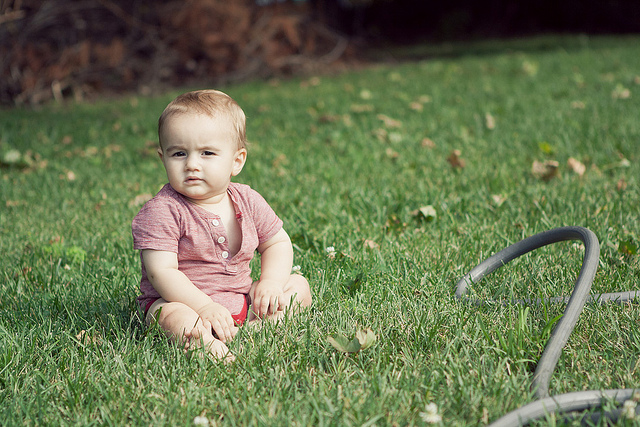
<point x="168" y="222"/>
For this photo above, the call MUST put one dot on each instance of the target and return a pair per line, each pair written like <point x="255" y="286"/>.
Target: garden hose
<point x="546" y="365"/>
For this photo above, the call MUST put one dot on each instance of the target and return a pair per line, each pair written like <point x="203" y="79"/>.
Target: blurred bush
<point x="66" y="48"/>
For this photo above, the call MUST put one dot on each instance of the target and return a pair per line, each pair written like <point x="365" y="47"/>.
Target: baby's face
<point x="200" y="155"/>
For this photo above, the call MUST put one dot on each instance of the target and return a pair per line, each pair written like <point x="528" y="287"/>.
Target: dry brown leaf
<point x="576" y="166"/>
<point x="389" y="122"/>
<point x="428" y="143"/>
<point x="391" y="153"/>
<point x="545" y="170"/>
<point x="621" y="185"/>
<point x="416" y="106"/>
<point x="381" y="134"/>
<point x="370" y="244"/>
<point x="366" y="94"/>
<point x="395" y="137"/>
<point x="86" y="337"/>
<point x="455" y="160"/>
<point x="498" y="199"/>
<point x="490" y="122"/>
<point x="361" y="108"/>
<point x="621" y="92"/>
<point x="329" y="118"/>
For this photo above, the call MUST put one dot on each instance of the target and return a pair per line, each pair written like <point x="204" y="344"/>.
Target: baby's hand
<point x="215" y="316"/>
<point x="268" y="298"/>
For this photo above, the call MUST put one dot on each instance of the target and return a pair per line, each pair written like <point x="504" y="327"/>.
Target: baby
<point x="198" y="235"/>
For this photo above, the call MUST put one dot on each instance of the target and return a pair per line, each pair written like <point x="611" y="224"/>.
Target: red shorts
<point x="239" y="318"/>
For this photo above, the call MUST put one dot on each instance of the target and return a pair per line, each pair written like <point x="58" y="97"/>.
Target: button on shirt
<point x="169" y="222"/>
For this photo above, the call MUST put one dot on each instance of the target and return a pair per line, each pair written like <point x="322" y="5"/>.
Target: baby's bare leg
<point x="297" y="294"/>
<point x="183" y="325"/>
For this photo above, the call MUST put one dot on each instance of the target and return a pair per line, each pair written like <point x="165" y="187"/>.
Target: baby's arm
<point x="276" y="263"/>
<point x="174" y="286"/>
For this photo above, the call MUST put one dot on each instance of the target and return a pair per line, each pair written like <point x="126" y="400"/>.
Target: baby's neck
<point x="218" y="206"/>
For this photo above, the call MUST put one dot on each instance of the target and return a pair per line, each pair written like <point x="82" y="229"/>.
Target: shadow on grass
<point x="486" y="47"/>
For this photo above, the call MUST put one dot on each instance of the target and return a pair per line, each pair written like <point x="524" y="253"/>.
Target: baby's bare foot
<point x="197" y="338"/>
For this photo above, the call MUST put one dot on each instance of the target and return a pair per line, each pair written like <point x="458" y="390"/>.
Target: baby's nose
<point x="192" y="163"/>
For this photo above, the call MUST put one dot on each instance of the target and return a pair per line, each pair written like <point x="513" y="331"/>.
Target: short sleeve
<point x="266" y="220"/>
<point x="157" y="226"/>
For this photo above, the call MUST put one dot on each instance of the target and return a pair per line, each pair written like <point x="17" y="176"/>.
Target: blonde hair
<point x="211" y="103"/>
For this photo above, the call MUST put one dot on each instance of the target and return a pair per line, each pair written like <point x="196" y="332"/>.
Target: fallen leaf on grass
<point x="26" y="161"/>
<point x="11" y="157"/>
<point x="389" y="122"/>
<point x="391" y="153"/>
<point x="428" y="143"/>
<point x="545" y="170"/>
<point x="621" y="185"/>
<point x="329" y="118"/>
<point x="370" y="244"/>
<point x="427" y="213"/>
<point x="86" y="337"/>
<point x="381" y="134"/>
<point x="363" y="339"/>
<point x="361" y="108"/>
<point x="366" y="94"/>
<point x="490" y="122"/>
<point x="498" y="199"/>
<point x="576" y="166"/>
<point x="395" y="137"/>
<point x="621" y="92"/>
<point x="455" y="160"/>
<point x="530" y="68"/>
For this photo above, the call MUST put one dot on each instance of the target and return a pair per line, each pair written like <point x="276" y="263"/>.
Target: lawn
<point x="393" y="181"/>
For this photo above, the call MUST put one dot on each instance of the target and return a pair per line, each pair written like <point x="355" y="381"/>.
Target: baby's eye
<point x="178" y="154"/>
<point x="209" y="153"/>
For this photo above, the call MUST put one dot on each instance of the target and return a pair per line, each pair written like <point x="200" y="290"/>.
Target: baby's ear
<point x="238" y="163"/>
<point x="160" y="152"/>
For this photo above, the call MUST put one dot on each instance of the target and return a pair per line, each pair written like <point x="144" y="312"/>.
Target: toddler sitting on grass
<point x="198" y="235"/>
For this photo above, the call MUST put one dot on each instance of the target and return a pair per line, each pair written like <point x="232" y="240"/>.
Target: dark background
<point x="60" y="49"/>
<point x="411" y="20"/>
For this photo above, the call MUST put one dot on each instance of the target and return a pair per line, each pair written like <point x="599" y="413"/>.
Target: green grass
<point x="339" y="173"/>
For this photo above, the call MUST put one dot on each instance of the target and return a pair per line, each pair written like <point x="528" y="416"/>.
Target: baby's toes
<point x="219" y="351"/>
